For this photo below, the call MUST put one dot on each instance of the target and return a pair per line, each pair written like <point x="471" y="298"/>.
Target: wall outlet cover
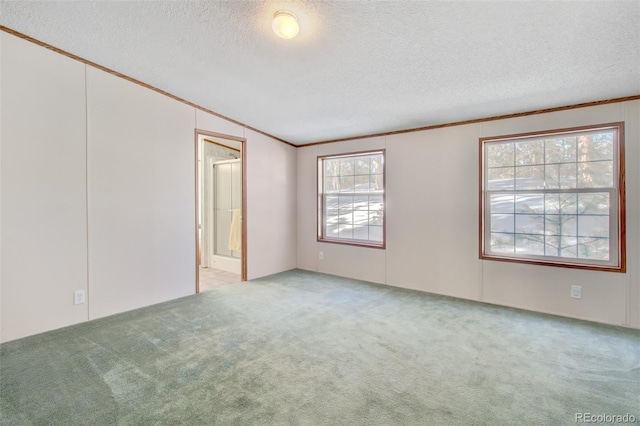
<point x="576" y="291"/>
<point x="78" y="297"/>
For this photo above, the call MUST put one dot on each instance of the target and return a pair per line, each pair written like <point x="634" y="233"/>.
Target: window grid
<point x="351" y="199"/>
<point x="571" y="233"/>
<point x="546" y="235"/>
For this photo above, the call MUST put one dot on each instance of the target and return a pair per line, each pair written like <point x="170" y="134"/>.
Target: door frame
<point x="243" y="156"/>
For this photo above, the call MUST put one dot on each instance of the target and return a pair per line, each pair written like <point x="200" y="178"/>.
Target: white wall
<point x="433" y="211"/>
<point x="1" y="239"/>
<point x="97" y="190"/>
<point x="432" y="222"/>
<point x="141" y="195"/>
<point x="632" y="279"/>
<point x="271" y="199"/>
<point x="43" y="175"/>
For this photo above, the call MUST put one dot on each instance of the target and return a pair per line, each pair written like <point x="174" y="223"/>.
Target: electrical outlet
<point x="78" y="297"/>
<point x="321" y="255"/>
<point x="576" y="291"/>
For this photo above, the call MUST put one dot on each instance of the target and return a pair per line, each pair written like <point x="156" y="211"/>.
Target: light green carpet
<point x="300" y="348"/>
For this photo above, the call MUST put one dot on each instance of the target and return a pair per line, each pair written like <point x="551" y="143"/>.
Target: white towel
<point x="235" y="235"/>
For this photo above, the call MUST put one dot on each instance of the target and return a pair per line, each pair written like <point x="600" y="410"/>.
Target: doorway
<point x="220" y="210"/>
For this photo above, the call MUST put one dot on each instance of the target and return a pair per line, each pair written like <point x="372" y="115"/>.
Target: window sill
<point x="591" y="267"/>
<point x="353" y="243"/>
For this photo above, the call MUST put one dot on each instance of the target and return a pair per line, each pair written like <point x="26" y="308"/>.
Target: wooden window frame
<point x="617" y="217"/>
<point x="321" y="196"/>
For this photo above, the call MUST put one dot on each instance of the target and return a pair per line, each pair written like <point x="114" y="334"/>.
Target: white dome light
<point x="285" y="24"/>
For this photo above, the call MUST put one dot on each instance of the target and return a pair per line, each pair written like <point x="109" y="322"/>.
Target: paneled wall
<point x="271" y="219"/>
<point x="97" y="193"/>
<point x="432" y="222"/>
<point x="43" y="189"/>
<point x="141" y="193"/>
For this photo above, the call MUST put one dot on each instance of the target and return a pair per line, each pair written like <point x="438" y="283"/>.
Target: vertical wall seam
<point x="625" y="281"/>
<point x="86" y="182"/>
<point x="296" y="211"/>
<point x="386" y="210"/>
<point x="316" y="253"/>
<point x="626" y="299"/>
<point x="1" y="328"/>
<point x="481" y="281"/>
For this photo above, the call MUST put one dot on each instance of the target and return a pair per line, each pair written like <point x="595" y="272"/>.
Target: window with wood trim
<point x="351" y="199"/>
<point x="555" y="198"/>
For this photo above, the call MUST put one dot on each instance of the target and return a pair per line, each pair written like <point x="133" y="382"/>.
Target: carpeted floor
<point x="301" y="348"/>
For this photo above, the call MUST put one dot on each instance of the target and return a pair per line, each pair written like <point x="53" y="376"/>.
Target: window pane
<point x="561" y="149"/>
<point x="530" y="244"/>
<point x="360" y="217"/>
<point x="347" y="183"/>
<point x="560" y="176"/>
<point x="530" y="203"/>
<point x="376" y="183"/>
<point x="500" y="179"/>
<point x="560" y="203"/>
<point x="568" y="203"/>
<point x="530" y="152"/>
<point x="569" y="247"/>
<point x="346" y="217"/>
<point x="596" y="174"/>
<point x="530" y="177"/>
<point x="345" y="202"/>
<point x="552" y="246"/>
<point x="332" y="231"/>
<point x="377" y="163"/>
<point x="593" y="226"/>
<point x="593" y="248"/>
<point x="502" y="243"/>
<point x="500" y="154"/>
<point x="595" y="203"/>
<point x="565" y="225"/>
<point x="502" y="223"/>
<point x="375" y="233"/>
<point x="552" y="203"/>
<point x="361" y="202"/>
<point x="555" y="224"/>
<point x="331" y="167"/>
<point x="595" y="146"/>
<point x="346" y="167"/>
<point x="569" y="225"/>
<point x="362" y="183"/>
<point x="375" y="202"/>
<point x="502" y="203"/>
<point x="552" y="224"/>
<point x="331" y="202"/>
<point x="346" y="231"/>
<point x="331" y="184"/>
<point x="530" y="224"/>
<point x="363" y="165"/>
<point x="361" y="233"/>
<point x="375" y="218"/>
<point x="332" y="217"/>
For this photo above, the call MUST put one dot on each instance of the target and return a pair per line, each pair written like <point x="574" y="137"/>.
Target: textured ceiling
<point x="357" y="67"/>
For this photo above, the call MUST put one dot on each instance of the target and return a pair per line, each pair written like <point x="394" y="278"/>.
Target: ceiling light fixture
<point x="285" y="24"/>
